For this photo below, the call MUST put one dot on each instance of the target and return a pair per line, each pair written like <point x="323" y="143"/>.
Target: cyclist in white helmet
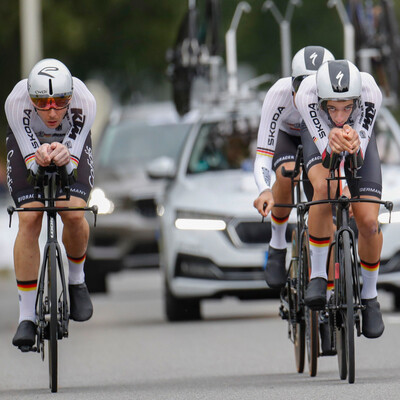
<point x="278" y="139"/>
<point x="339" y="106"/>
<point x="50" y="115"/>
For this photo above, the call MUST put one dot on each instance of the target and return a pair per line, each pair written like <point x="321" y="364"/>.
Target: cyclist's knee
<point x="368" y="227"/>
<point x="31" y="221"/>
<point x="72" y="217"/>
<point x="320" y="189"/>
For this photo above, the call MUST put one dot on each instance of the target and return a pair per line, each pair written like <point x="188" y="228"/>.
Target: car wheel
<point x="95" y="277"/>
<point x="180" y="309"/>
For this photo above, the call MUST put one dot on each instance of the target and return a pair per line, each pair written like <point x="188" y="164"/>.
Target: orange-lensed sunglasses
<point x="46" y="103"/>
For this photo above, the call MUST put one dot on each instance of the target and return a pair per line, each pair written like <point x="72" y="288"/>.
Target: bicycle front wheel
<point x="345" y="330"/>
<point x="310" y="316"/>
<point x="53" y="322"/>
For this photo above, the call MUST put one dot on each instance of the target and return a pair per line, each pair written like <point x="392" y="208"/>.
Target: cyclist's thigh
<point x="370" y="183"/>
<point x="72" y="202"/>
<point x="85" y="178"/>
<point x="311" y="154"/>
<point x="20" y="189"/>
<point x="285" y="150"/>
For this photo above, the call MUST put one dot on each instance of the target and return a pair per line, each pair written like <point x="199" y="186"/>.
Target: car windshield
<point x="224" y="145"/>
<point x="136" y="144"/>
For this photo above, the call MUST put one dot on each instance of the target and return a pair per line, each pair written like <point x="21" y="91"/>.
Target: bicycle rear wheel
<point x="312" y="340"/>
<point x="310" y="316"/>
<point x="296" y="318"/>
<point x="53" y="323"/>
<point x="345" y="331"/>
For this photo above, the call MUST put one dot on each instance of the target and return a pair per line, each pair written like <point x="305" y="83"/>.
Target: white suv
<point x="212" y="241"/>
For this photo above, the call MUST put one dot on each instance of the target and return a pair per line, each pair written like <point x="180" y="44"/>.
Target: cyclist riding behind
<point x="50" y="115"/>
<point x="278" y="139"/>
<point x="339" y="106"/>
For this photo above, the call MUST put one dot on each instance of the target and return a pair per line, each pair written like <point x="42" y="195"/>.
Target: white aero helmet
<point x="307" y="61"/>
<point x="50" y="78"/>
<point x="338" y="80"/>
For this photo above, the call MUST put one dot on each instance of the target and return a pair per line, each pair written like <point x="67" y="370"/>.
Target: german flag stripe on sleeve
<point x="75" y="160"/>
<point x="29" y="159"/>
<point x="264" y="152"/>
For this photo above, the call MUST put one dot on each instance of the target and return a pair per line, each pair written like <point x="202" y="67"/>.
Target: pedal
<point x="26" y="349"/>
<point x="328" y="353"/>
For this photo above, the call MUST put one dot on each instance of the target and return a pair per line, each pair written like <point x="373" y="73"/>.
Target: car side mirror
<point x="161" y="168"/>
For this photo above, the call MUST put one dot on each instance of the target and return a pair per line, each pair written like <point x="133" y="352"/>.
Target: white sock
<point x="319" y="248"/>
<point x="27" y="300"/>
<point x="369" y="273"/>
<point x="278" y="236"/>
<point x="76" y="273"/>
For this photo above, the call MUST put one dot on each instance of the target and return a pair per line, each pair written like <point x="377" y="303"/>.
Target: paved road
<point x="239" y="351"/>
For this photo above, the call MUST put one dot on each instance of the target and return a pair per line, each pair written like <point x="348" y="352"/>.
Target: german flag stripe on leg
<point x="319" y="242"/>
<point x="279" y="221"/>
<point x="369" y="266"/>
<point x="77" y="260"/>
<point x="27" y="286"/>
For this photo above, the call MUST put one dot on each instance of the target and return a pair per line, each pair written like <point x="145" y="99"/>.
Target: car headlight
<point x="201" y="222"/>
<point x="99" y="198"/>
<point x="386" y="217"/>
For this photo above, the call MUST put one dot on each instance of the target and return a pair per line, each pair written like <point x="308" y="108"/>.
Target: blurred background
<point x="123" y="43"/>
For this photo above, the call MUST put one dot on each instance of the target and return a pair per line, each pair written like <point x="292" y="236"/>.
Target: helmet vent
<point x="50" y="88"/>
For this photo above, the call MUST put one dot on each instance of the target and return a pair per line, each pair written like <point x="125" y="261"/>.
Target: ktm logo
<point x="45" y="71"/>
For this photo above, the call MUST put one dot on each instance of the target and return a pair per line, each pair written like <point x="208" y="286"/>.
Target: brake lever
<point x="389" y="207"/>
<point x="10" y="210"/>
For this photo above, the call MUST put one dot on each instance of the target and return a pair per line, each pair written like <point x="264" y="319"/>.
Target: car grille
<point x="203" y="268"/>
<point x="253" y="232"/>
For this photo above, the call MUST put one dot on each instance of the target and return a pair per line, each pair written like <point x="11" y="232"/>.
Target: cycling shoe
<point x="372" y="322"/>
<point x="315" y="297"/>
<point x="275" y="271"/>
<point x="25" y="335"/>
<point x="81" y="307"/>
